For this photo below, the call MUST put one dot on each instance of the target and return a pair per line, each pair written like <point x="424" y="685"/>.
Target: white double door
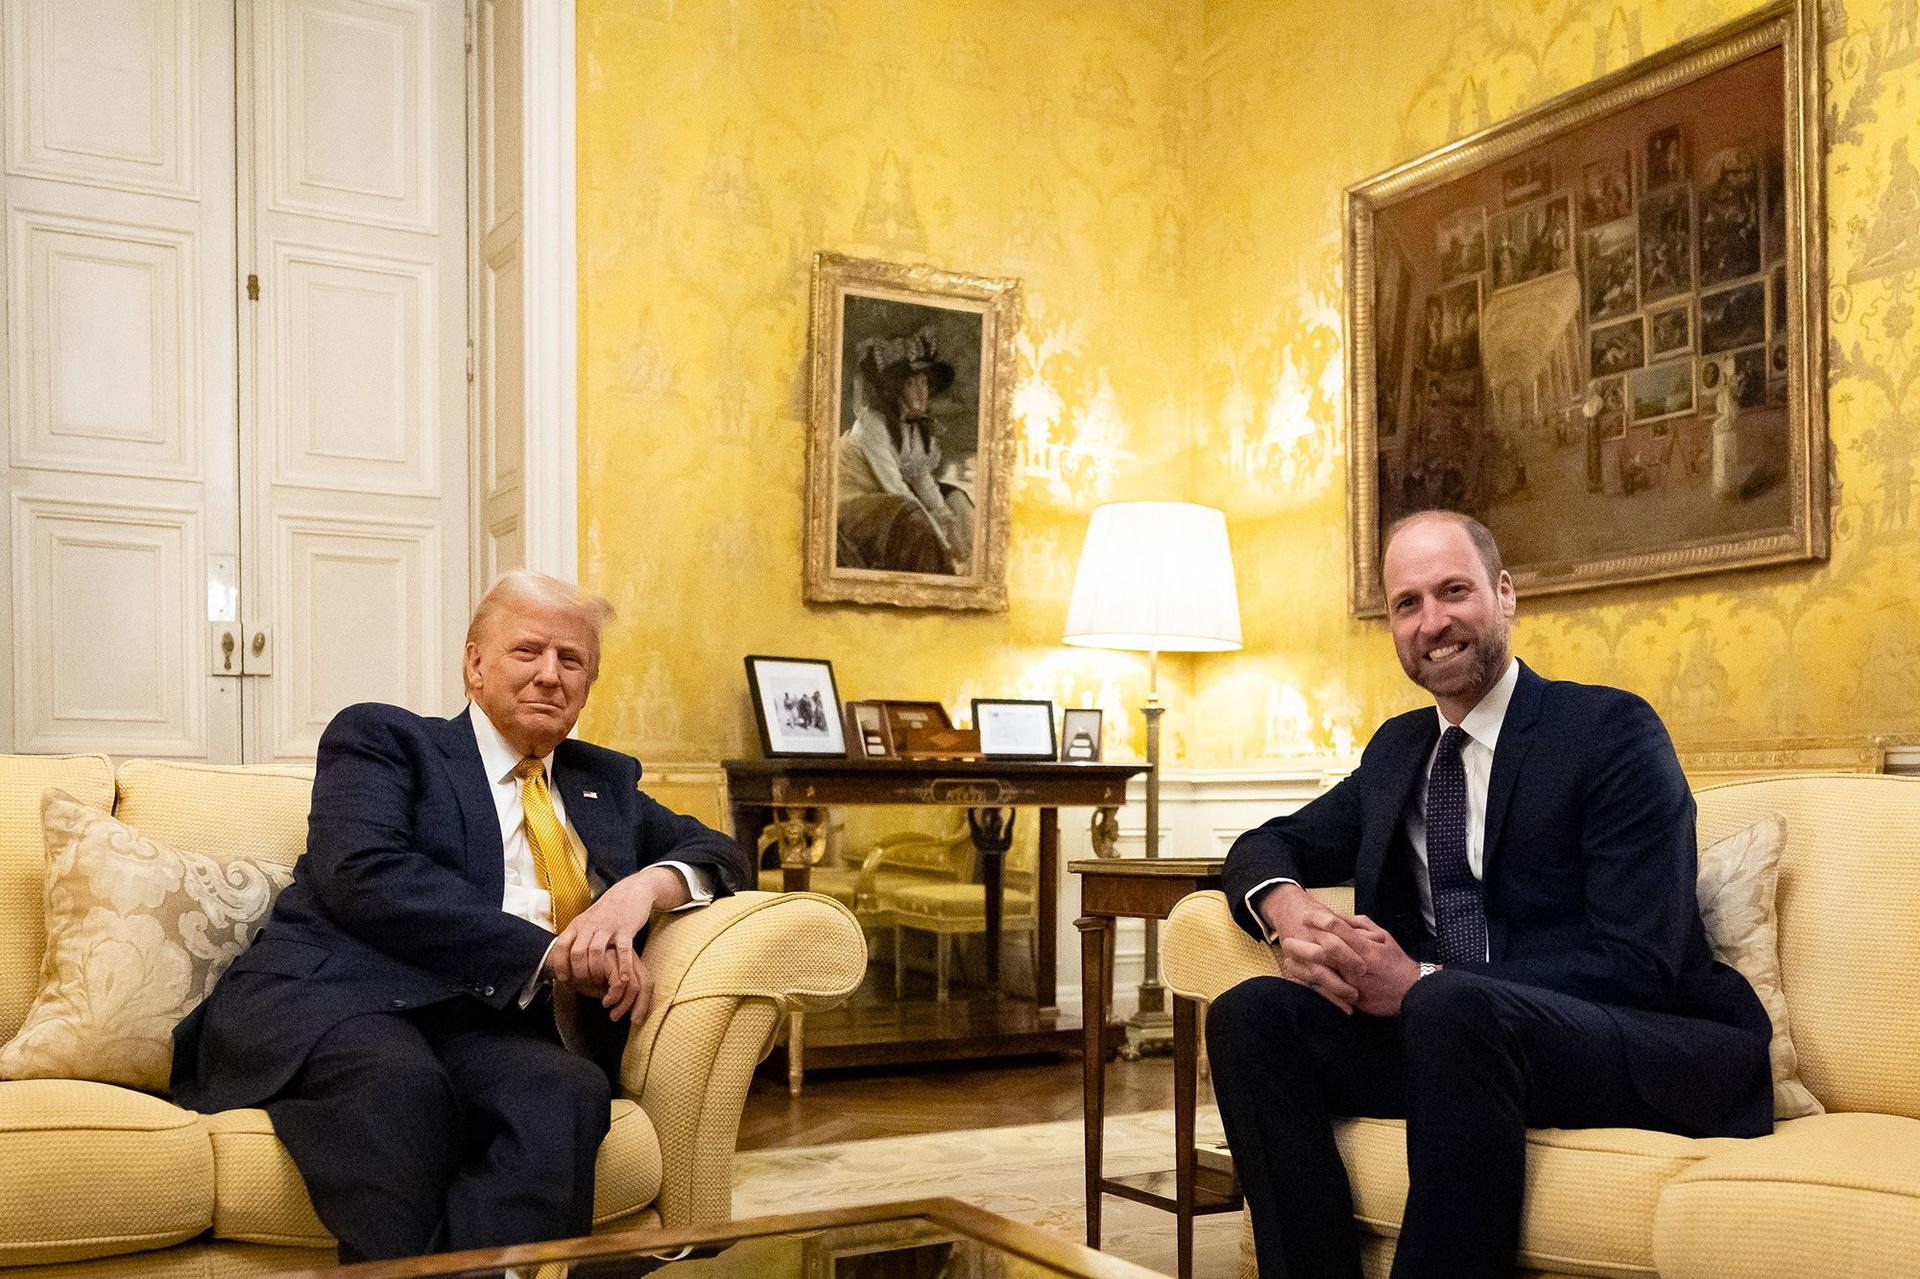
<point x="236" y="374"/>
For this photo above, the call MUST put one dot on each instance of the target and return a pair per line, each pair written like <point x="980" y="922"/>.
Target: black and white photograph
<point x="1733" y="317"/>
<point x="796" y="706"/>
<point x="1463" y="244"/>
<point x="1014" y="728"/>
<point x="1777" y="369"/>
<point x="1670" y="330"/>
<point x="1606" y="190"/>
<point x="1660" y="391"/>
<point x="1526" y="182"/>
<point x="1666" y="244"/>
<point x="1459" y="347"/>
<point x="1666" y="157"/>
<point x="1617" y="347"/>
<point x="1080" y="733"/>
<point x="1612" y="266"/>
<point x="1750" y="378"/>
<point x="1531" y="242"/>
<point x="1729" y="205"/>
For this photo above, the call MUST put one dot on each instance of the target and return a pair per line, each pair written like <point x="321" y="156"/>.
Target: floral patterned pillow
<point x="1736" y="884"/>
<point x="137" y="933"/>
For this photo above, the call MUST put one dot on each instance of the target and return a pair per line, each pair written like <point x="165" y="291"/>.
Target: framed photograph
<point x="1463" y="244"/>
<point x="867" y="736"/>
<point x="1660" y="391"/>
<point x="1080" y="733"/>
<point x="1670" y="330"/>
<point x="1666" y="156"/>
<point x="1014" y="729"/>
<point x="1606" y="189"/>
<point x="1617" y="216"/>
<point x="796" y="706"/>
<point x="1612" y="270"/>
<point x="910" y="443"/>
<point x="1533" y="241"/>
<point x="1617" y="347"/>
<point x="1666" y="244"/>
<point x="1733" y="317"/>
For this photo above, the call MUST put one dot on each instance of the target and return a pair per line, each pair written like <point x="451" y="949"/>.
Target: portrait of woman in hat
<point x="904" y="458"/>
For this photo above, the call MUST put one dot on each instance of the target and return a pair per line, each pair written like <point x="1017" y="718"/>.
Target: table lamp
<point x="1154" y="577"/>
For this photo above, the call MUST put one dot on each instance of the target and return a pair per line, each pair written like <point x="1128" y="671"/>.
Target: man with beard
<point x="1527" y="949"/>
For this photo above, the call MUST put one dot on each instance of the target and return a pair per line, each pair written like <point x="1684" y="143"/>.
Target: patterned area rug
<point x="1032" y="1173"/>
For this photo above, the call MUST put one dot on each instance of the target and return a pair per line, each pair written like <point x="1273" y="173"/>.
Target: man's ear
<point x="470" y="666"/>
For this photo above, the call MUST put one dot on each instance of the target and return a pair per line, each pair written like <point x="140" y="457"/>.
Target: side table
<point x="1134" y="888"/>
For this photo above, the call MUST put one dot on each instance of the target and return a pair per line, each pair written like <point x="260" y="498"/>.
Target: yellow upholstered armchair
<point x="1836" y="1193"/>
<point x="95" y="1170"/>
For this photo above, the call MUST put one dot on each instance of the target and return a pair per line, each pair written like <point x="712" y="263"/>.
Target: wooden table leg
<point x="1096" y="939"/>
<point x="1185" y="1083"/>
<point x="796" y="1050"/>
<point x="992" y="868"/>
<point x="1047" y="886"/>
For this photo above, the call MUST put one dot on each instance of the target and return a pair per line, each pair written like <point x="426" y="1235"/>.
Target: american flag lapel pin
<point x="590" y="794"/>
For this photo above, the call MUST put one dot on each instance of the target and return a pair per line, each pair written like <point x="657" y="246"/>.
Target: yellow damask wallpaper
<point x="722" y="142"/>
<point x="1165" y="177"/>
<point x="1815" y="651"/>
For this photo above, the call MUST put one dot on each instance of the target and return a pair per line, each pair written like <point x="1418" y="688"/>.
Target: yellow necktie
<point x="554" y="864"/>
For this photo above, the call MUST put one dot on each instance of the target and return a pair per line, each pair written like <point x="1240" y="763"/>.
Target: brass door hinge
<point x="253" y="287"/>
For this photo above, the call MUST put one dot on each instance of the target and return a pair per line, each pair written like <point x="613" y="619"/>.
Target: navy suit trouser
<point x="452" y="1126"/>
<point x="1471" y="1062"/>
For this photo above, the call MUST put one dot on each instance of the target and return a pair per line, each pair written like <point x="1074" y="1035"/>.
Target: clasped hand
<point x="1349" y="960"/>
<point x="595" y="954"/>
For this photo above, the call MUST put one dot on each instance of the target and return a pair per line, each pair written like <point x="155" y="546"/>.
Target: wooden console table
<point x="1134" y="888"/>
<point x="761" y="788"/>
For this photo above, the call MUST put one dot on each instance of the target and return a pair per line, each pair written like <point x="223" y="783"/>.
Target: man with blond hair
<point x="473" y="893"/>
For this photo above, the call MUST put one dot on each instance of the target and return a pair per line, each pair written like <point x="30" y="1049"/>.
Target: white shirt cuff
<point x="1254" y="892"/>
<point x="698" y="892"/>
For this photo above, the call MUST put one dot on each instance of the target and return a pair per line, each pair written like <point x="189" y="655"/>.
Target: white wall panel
<point x="109" y="92"/>
<point x="352" y="109"/>
<point x="359" y="603"/>
<point x="105" y="632"/>
<point x="355" y="371"/>
<point x="104" y="354"/>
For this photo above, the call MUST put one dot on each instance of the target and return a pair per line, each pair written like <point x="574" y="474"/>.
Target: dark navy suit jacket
<point x="397" y="902"/>
<point x="1589" y="877"/>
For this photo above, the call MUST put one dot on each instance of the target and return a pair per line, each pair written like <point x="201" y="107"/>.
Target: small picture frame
<point x="867" y="735"/>
<point x="797" y="706"/>
<point x="1080" y="734"/>
<point x="1014" y="728"/>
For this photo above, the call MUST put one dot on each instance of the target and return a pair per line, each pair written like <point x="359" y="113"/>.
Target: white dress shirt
<point x="1482" y="727"/>
<point x="523" y="895"/>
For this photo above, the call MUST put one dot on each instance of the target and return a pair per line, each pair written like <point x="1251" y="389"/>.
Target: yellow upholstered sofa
<point x="1825" y="1196"/>
<point x="102" y="1180"/>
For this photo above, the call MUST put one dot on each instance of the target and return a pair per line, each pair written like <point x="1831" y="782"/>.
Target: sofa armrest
<point x="1203" y="953"/>
<point x="724" y="979"/>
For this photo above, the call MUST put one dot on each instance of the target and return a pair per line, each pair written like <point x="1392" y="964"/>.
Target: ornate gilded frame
<point x="1793" y="26"/>
<point x="983" y="586"/>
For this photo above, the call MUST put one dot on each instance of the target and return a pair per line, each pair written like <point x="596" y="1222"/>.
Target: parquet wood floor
<point x="855" y="1105"/>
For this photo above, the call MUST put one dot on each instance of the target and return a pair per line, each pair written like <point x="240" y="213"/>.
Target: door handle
<point x="227" y="660"/>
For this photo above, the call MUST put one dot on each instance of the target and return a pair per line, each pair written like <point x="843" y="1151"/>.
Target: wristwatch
<point x="1428" y="970"/>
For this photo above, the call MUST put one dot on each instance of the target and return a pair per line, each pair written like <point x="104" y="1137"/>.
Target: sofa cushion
<point x="259" y="810"/>
<point x="1590" y="1191"/>
<point x="260" y="1198"/>
<point x="137" y="933"/>
<point x="1833" y="1194"/>
<point x="1737" y="879"/>
<point x="91" y="1170"/>
<point x="23" y="865"/>
<point x="1849" y="953"/>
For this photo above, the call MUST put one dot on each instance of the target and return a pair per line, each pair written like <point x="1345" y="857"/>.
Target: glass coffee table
<point x="918" y="1239"/>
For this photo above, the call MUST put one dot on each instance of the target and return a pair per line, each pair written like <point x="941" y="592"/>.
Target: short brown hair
<point x="1481" y="536"/>
<point x="524" y="586"/>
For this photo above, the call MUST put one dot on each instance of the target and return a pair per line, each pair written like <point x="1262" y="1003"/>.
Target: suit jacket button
<point x="488" y="992"/>
<point x="399" y="1003"/>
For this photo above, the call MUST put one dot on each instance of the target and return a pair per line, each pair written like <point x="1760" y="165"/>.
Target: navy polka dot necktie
<point x="1459" y="909"/>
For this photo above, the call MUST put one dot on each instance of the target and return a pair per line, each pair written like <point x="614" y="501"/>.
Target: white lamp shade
<point x="1155" y="576"/>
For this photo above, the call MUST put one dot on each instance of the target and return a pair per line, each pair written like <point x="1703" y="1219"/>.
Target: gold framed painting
<point x="1599" y="327"/>
<point x="909" y="442"/>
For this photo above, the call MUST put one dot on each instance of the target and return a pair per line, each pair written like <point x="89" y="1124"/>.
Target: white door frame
<point x="551" y="460"/>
